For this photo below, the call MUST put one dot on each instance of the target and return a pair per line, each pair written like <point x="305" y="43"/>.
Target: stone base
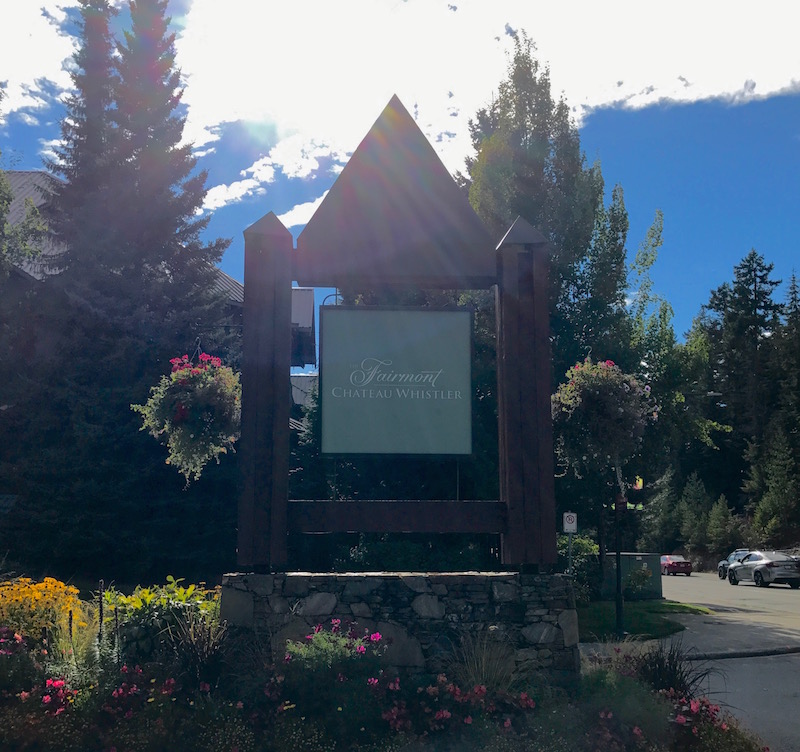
<point x="422" y="616"/>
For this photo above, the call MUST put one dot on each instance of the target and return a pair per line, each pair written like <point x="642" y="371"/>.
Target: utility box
<point x="641" y="576"/>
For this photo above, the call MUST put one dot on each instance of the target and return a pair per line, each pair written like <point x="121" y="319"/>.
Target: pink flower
<point x="637" y="731"/>
<point x="204" y="357"/>
<point x="46" y="699"/>
<point x="372" y="681"/>
<point x="375" y="637"/>
<point x="468" y="720"/>
<point x="681" y="719"/>
<point x="24" y="696"/>
<point x="694" y="706"/>
<point x="361" y="649"/>
<point x="507" y="723"/>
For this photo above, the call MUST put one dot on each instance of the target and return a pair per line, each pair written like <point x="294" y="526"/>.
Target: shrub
<point x="585" y="566"/>
<point x="20" y="667"/>
<point x="146" y="615"/>
<point x="636" y="583"/>
<point x="30" y="607"/>
<point x="698" y="725"/>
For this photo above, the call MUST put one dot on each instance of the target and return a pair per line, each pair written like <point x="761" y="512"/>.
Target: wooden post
<point x="524" y="385"/>
<point x="266" y="396"/>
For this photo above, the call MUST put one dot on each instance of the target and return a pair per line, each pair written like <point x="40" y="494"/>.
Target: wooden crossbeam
<point x="378" y="516"/>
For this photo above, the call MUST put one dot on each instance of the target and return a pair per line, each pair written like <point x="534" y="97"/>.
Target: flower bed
<point x="201" y="686"/>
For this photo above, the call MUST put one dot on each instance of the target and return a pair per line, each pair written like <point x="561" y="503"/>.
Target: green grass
<point x="643" y="620"/>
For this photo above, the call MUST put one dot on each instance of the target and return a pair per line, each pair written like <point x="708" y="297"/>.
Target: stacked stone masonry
<point x="422" y="616"/>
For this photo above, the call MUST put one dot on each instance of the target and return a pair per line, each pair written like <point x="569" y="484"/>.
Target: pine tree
<point x="722" y="530"/>
<point x="79" y="210"/>
<point x="744" y="318"/>
<point x="777" y="513"/>
<point x="694" y="506"/>
<point x="164" y="265"/>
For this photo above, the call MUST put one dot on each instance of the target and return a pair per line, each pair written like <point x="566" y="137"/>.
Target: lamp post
<point x="620" y="503"/>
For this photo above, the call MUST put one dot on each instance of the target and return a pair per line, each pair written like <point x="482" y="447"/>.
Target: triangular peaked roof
<point x="395" y="216"/>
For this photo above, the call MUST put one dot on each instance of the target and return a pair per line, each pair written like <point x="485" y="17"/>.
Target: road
<point x="762" y="692"/>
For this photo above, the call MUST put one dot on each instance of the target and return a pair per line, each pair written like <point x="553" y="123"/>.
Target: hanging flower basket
<point x="195" y="411"/>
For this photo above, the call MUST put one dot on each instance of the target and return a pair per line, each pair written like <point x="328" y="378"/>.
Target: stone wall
<point x="422" y="616"/>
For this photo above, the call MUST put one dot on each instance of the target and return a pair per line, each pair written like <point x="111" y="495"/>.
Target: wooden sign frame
<point x="518" y="269"/>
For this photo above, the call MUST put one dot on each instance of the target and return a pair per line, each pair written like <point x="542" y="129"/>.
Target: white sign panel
<point x="570" y="522"/>
<point x="395" y="381"/>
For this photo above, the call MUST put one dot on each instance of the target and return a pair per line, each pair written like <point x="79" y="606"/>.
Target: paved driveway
<point x="763" y="692"/>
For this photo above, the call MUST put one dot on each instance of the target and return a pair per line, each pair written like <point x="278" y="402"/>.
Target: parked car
<point x="764" y="568"/>
<point x="737" y="555"/>
<point x="675" y="564"/>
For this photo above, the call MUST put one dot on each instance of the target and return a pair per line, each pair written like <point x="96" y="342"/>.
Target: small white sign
<point x="570" y="522"/>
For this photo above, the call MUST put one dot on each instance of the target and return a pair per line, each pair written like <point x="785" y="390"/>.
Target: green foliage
<point x="22" y="240"/>
<point x="636" y="583"/>
<point x="332" y="670"/>
<point x="599" y="414"/>
<point x="21" y="664"/>
<point x="196" y="410"/>
<point x="150" y="618"/>
<point x="586" y="575"/>
<point x="723" y="531"/>
<point x="621" y="703"/>
<point x="777" y="512"/>
<point x="694" y="508"/>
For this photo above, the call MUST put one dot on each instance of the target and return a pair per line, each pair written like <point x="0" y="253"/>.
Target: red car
<point x="675" y="564"/>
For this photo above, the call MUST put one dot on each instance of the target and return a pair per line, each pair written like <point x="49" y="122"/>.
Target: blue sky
<point x="694" y="108"/>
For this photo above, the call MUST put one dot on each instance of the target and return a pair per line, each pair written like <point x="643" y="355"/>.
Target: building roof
<point x="395" y="216"/>
<point x="33" y="185"/>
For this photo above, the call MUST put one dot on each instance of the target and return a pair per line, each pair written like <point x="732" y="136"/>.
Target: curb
<point x="742" y="654"/>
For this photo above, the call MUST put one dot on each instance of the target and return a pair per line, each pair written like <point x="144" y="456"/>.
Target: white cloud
<point x="322" y="71"/>
<point x="32" y="55"/>
<point x="319" y="72"/>
<point x="293" y="157"/>
<point x="300" y="214"/>
<point x="262" y="170"/>
<point x="47" y="148"/>
<point x="220" y="195"/>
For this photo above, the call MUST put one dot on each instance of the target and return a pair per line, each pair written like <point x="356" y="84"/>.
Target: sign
<point x="570" y="522"/>
<point x="395" y="381"/>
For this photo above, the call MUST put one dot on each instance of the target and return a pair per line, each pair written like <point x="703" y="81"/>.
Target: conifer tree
<point x="694" y="506"/>
<point x="79" y="208"/>
<point x="777" y="513"/>
<point x="165" y="265"/>
<point x="722" y="529"/>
